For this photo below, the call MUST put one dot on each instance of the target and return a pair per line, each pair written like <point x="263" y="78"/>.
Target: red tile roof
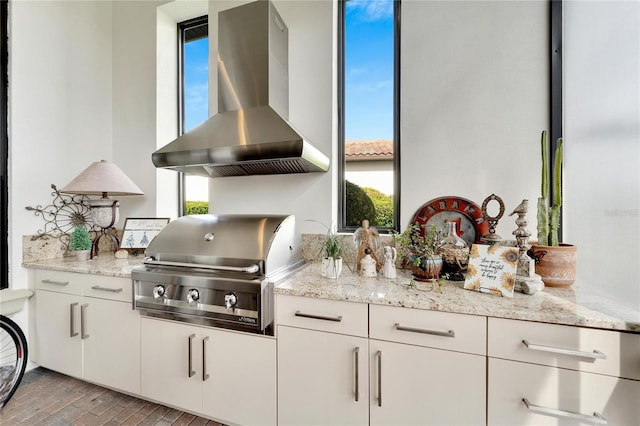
<point x="377" y="149"/>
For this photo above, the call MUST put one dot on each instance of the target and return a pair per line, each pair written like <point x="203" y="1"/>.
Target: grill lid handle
<point x="251" y="269"/>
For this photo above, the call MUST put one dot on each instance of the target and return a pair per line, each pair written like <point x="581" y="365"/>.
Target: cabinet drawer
<point x="558" y="397"/>
<point x="112" y="288"/>
<point x="577" y="348"/>
<point x="442" y="330"/>
<point x="58" y="281"/>
<point x="324" y="315"/>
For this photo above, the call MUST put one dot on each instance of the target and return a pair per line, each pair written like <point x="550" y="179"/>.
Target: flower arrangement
<point x="421" y="249"/>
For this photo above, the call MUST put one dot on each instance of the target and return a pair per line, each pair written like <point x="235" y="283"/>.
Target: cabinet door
<point x="322" y="378"/>
<point x="112" y="344"/>
<point x="57" y="332"/>
<point x="241" y="383"/>
<point x="166" y="365"/>
<point x="558" y="397"/>
<point x="412" y="385"/>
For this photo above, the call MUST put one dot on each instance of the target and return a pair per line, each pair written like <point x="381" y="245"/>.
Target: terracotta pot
<point x="555" y="265"/>
<point x="429" y="269"/>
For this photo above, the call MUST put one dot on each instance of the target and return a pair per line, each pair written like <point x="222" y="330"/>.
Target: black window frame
<point x="342" y="211"/>
<point x="4" y="144"/>
<point x="189" y="30"/>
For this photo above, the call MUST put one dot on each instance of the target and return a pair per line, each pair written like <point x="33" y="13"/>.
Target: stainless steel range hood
<point x="250" y="135"/>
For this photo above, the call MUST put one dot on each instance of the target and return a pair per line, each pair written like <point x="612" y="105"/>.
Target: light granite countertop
<point x="100" y="265"/>
<point x="571" y="306"/>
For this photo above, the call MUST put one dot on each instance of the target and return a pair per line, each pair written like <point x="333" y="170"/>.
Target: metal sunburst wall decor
<point x="63" y="214"/>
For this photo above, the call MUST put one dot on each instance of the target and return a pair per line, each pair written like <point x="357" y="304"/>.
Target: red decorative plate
<point x="471" y="224"/>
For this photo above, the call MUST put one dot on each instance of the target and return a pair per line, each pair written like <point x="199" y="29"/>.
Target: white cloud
<point x="372" y="10"/>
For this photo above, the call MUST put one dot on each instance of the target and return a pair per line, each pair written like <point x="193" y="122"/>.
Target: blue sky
<point x="368" y="73"/>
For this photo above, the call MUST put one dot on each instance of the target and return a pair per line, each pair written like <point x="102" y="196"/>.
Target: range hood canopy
<point x="250" y="135"/>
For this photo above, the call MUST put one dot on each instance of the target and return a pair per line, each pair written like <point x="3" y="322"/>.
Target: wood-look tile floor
<point x="45" y="398"/>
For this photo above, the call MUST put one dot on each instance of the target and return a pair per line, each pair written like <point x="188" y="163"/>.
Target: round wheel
<point x="13" y="358"/>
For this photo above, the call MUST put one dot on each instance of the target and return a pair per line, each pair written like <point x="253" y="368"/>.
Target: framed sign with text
<point x="492" y="269"/>
<point x="138" y="232"/>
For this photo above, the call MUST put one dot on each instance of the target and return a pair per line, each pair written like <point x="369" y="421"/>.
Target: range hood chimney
<point x="250" y="135"/>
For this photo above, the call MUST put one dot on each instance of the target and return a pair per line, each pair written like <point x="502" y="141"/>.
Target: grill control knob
<point x="230" y="300"/>
<point x="193" y="295"/>
<point x="158" y="291"/>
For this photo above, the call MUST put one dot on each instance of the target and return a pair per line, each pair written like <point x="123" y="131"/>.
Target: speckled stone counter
<point x="570" y="306"/>
<point x="101" y="265"/>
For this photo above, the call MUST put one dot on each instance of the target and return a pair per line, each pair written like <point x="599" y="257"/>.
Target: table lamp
<point x="103" y="178"/>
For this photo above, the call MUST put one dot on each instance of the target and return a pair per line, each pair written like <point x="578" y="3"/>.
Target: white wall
<point x="474" y="101"/>
<point x="60" y="107"/>
<point x="602" y="144"/>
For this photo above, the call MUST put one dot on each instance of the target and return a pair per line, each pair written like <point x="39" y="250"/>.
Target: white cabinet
<point x="322" y="378"/>
<point x="327" y="356"/>
<point x="322" y="362"/>
<point x="85" y="328"/>
<point x="225" y="375"/>
<point x="422" y="381"/>
<point x="547" y="374"/>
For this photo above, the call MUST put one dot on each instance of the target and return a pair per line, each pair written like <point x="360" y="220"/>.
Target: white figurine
<point x="389" y="267"/>
<point x="368" y="265"/>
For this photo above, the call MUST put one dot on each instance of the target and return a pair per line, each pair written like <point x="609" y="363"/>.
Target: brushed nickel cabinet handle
<point x="72" y="320"/>
<point x="592" y="355"/>
<point x="320" y="317"/>
<point x="60" y="283"/>
<point x="379" y="355"/>
<point x="356" y="353"/>
<point x="190" y="345"/>
<point x="83" y="321"/>
<point x="111" y="290"/>
<point x="205" y="375"/>
<point x="449" y="333"/>
<point x="597" y="418"/>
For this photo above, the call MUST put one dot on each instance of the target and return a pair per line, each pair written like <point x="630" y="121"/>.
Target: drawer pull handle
<point x="320" y="317"/>
<point x="597" y="418"/>
<point x="60" y="283"/>
<point x="449" y="333"/>
<point x="593" y="355"/>
<point x="112" y="290"/>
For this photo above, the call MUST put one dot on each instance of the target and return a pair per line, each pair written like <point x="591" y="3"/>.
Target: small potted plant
<point x="331" y="250"/>
<point x="555" y="261"/>
<point x="80" y="242"/>
<point x="419" y="247"/>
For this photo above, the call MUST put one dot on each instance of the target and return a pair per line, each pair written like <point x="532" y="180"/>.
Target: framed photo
<point x="138" y="232"/>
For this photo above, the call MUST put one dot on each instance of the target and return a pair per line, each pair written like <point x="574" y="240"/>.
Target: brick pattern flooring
<point x="49" y="398"/>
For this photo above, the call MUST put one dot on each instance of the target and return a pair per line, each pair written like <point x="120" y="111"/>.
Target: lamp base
<point x="104" y="232"/>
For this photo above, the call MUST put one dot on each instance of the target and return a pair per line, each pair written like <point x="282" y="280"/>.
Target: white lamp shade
<point x="102" y="177"/>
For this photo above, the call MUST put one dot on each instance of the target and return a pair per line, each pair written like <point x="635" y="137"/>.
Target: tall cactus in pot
<point x="549" y="217"/>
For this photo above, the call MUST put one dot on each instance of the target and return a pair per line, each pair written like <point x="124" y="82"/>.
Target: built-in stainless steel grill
<point x="218" y="270"/>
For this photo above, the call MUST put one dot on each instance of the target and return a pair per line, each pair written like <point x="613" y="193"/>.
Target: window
<point x="369" y="59"/>
<point x="194" y="103"/>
